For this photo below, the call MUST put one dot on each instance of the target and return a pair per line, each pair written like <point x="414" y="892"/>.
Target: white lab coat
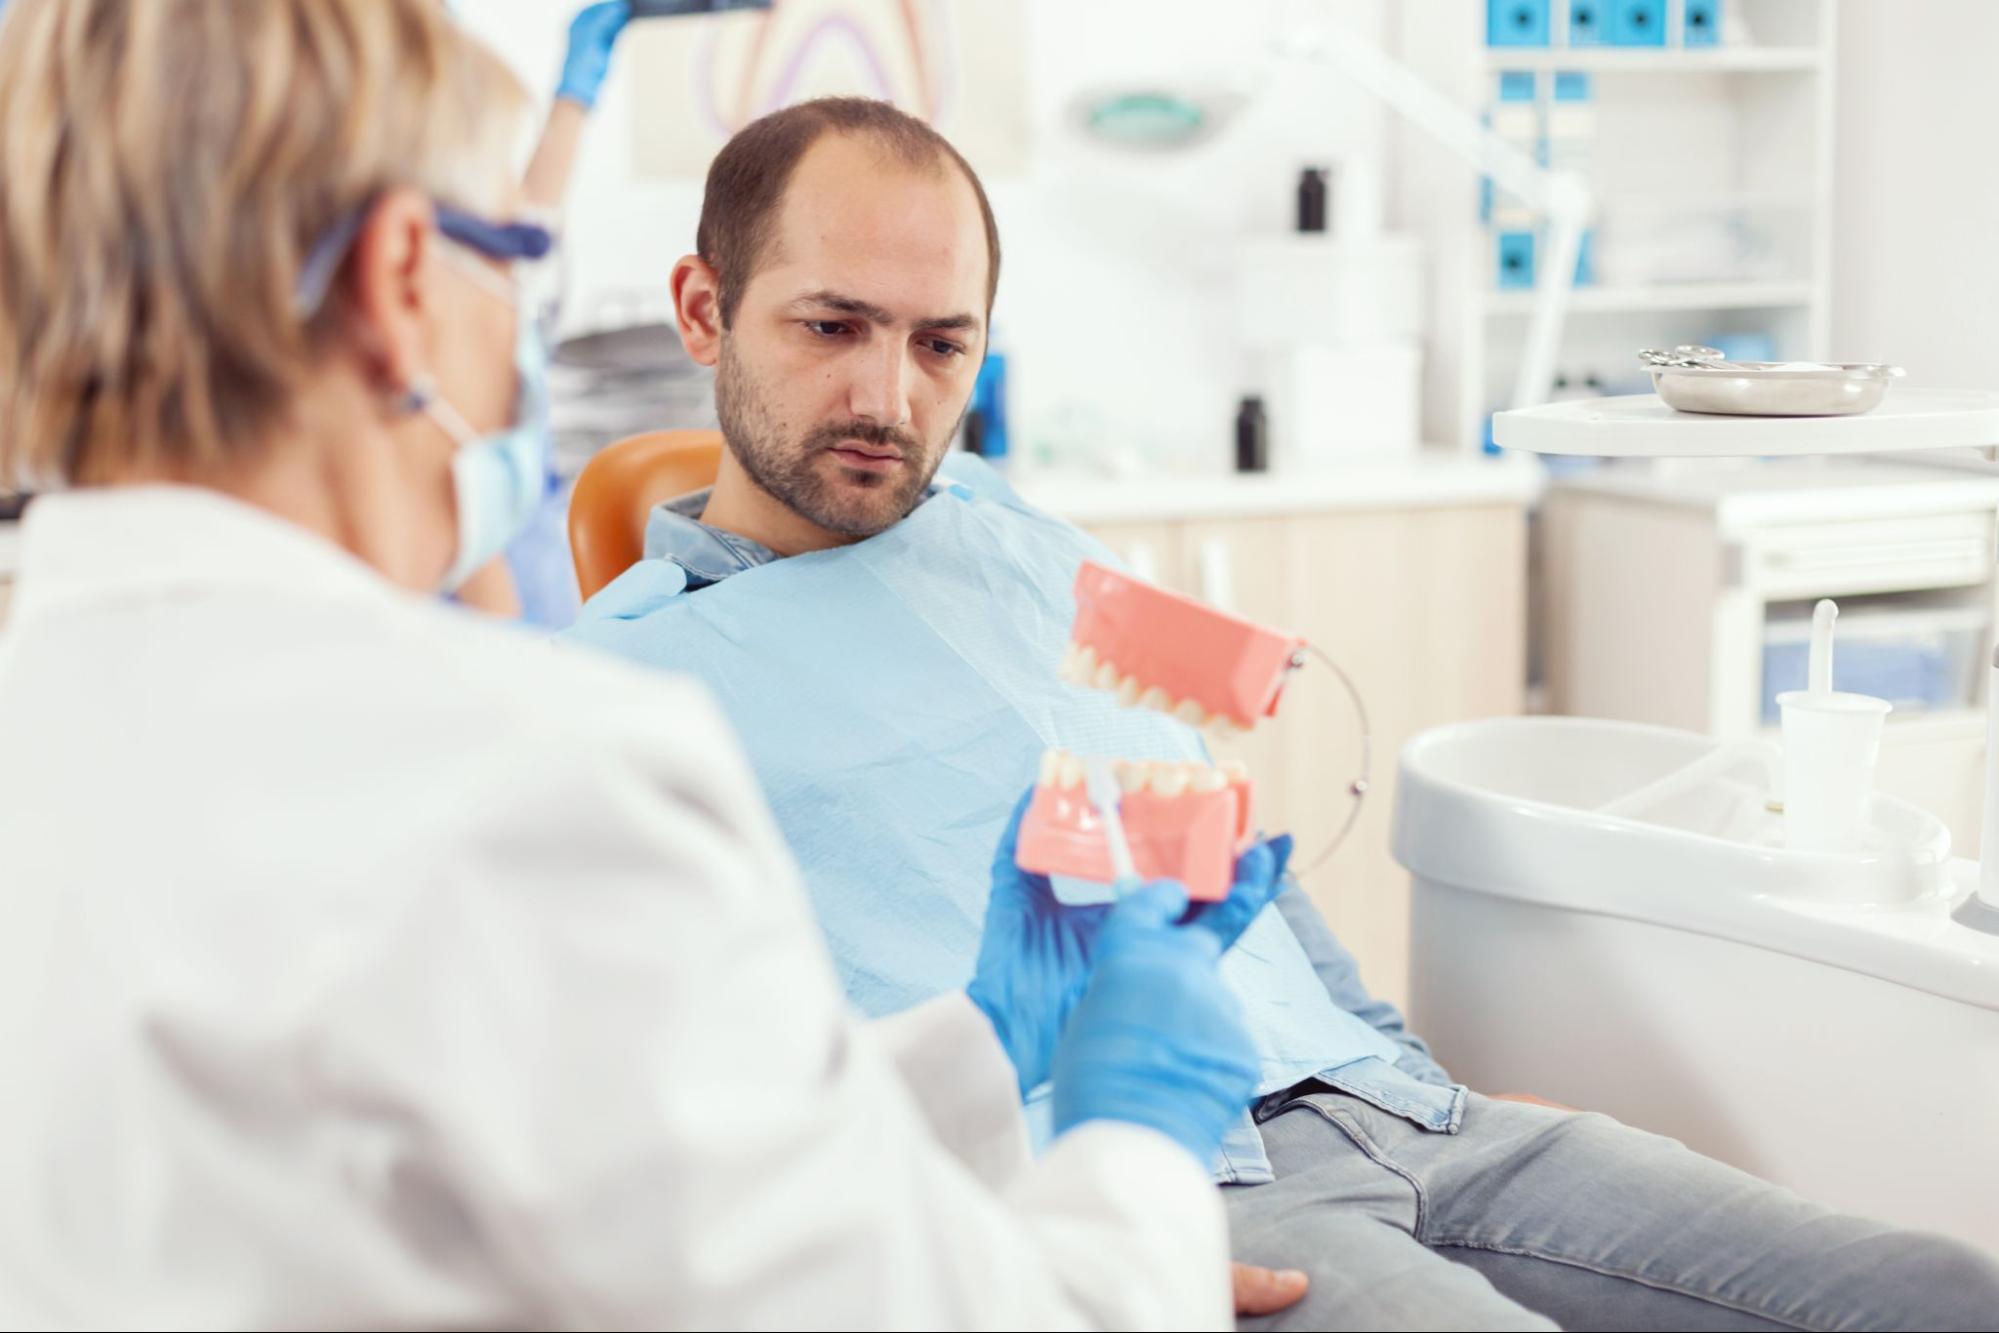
<point x="365" y="963"/>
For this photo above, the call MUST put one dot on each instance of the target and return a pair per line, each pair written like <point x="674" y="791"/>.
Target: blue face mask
<point x="499" y="478"/>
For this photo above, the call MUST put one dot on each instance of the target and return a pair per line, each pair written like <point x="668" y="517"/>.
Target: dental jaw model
<point x="1155" y="649"/>
<point x="1187" y="821"/>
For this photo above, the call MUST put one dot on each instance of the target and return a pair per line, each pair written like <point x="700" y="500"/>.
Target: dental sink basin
<point x="1564" y="785"/>
<point x="1605" y="913"/>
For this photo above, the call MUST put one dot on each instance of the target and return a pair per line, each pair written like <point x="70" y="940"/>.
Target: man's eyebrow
<point x="852" y="305"/>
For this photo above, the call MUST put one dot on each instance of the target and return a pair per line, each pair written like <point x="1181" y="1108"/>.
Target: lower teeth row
<point x="1163" y="779"/>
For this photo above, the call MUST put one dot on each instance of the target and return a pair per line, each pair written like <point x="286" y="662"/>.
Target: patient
<point x="884" y="633"/>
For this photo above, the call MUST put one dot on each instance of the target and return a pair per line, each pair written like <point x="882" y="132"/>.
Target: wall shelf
<point x="1702" y="168"/>
<point x="1691" y="296"/>
<point x="1663" y="60"/>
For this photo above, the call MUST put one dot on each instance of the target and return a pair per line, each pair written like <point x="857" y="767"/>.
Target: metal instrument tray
<point x="1700" y="379"/>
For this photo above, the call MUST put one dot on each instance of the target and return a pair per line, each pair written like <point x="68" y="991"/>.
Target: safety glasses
<point x="533" y="285"/>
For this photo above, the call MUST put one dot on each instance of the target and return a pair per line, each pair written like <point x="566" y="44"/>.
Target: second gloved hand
<point x="1157" y="1039"/>
<point x="593" y="34"/>
<point x="1035" y="952"/>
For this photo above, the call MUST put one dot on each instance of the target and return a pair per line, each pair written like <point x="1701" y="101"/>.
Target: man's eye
<point x="826" y="328"/>
<point x="943" y="348"/>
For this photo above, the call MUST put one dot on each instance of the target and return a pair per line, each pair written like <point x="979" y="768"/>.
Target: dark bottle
<point x="1312" y="199"/>
<point x="1252" y="437"/>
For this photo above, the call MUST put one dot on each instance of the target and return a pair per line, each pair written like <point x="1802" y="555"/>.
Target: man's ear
<point x="697" y="308"/>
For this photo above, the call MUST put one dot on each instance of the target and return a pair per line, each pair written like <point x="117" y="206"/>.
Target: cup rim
<point x="1834" y="701"/>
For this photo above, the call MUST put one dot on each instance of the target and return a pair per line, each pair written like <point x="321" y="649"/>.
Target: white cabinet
<point x="1424" y="607"/>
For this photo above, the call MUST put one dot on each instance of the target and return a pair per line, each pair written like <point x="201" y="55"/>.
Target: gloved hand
<point x="1157" y="1039"/>
<point x="1259" y="877"/>
<point x="1034" y="957"/>
<point x="592" y="35"/>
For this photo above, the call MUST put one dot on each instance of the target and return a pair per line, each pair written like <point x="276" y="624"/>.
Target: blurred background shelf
<point x="1690" y="296"/>
<point x="1666" y="60"/>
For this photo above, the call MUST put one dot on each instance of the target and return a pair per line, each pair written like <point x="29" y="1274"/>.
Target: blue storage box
<point x="1571" y="86"/>
<point x="1515" y="252"/>
<point x="1636" y="22"/>
<point x="1586" y="23"/>
<point x="1516" y="22"/>
<point x="1701" y="24"/>
<point x="1920" y="662"/>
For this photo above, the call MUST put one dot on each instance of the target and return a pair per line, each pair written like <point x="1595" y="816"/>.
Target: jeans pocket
<point x="1331" y="1106"/>
<point x="1430" y="1108"/>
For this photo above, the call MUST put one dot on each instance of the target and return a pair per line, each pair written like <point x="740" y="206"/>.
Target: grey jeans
<point x="1530" y="1218"/>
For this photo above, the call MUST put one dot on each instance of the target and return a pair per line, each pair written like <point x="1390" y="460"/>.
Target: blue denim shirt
<point x="1409" y="1083"/>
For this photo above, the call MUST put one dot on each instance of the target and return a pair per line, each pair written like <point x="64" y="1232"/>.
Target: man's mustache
<point x="867" y="432"/>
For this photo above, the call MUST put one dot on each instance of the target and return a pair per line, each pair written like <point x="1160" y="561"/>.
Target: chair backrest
<point x="618" y="489"/>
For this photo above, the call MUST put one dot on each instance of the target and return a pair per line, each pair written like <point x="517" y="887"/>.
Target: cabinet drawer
<point x="1872" y="555"/>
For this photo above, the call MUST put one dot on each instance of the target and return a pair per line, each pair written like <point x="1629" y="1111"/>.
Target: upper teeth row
<point x="1081" y="667"/>
<point x="1060" y="769"/>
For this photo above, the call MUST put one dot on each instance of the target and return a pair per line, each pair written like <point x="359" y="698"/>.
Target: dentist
<point x="363" y="962"/>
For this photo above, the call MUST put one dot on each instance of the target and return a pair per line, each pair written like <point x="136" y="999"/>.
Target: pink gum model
<point x="1160" y="650"/>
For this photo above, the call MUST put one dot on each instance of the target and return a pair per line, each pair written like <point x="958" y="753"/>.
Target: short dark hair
<point x="748" y="179"/>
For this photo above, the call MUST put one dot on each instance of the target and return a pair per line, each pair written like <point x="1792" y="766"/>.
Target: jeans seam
<point x="1365" y="1142"/>
<point x="1670" y="1288"/>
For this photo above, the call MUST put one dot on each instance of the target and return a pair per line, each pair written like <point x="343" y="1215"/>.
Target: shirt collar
<point x="675" y="532"/>
<point x="114" y="539"/>
<point x="708" y="554"/>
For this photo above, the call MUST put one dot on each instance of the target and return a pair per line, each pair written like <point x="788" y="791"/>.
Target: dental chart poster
<point x="957" y="64"/>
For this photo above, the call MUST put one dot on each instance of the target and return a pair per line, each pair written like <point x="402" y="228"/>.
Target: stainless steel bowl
<point x="1699" y="379"/>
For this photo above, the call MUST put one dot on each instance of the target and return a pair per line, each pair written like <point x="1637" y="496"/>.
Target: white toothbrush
<point x="1819" y="670"/>
<point x="1102" y="785"/>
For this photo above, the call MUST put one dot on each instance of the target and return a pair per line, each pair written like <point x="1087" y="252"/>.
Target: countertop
<point x="1794" y="489"/>
<point x="1431" y="478"/>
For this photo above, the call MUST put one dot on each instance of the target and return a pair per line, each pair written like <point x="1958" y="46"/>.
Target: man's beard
<point x="852" y="504"/>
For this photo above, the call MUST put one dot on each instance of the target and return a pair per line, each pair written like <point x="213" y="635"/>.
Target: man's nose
<point x="880" y="390"/>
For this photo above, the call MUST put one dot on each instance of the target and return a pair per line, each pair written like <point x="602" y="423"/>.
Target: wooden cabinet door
<point x="1426" y="611"/>
<point x="1241" y="566"/>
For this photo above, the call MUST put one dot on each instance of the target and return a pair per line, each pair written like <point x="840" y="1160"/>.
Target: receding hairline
<point x="932" y="160"/>
<point x="752" y="177"/>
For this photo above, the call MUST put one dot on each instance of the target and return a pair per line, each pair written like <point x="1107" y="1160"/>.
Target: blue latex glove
<point x="1035" y="954"/>
<point x="1157" y="1039"/>
<point x="593" y="34"/>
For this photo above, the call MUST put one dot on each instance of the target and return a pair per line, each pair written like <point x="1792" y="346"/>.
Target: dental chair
<point x="617" y="490"/>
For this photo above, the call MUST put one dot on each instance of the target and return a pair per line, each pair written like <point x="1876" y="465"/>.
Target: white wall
<point x="1115" y="297"/>
<point x="1916" y="224"/>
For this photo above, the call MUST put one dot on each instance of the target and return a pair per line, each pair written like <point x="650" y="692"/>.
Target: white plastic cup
<point x="1831" y="744"/>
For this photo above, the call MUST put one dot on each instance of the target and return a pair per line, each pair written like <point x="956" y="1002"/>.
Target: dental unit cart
<point x="1630" y="918"/>
<point x="1676" y="595"/>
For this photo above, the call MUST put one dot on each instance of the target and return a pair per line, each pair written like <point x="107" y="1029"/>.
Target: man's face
<point x="852" y="354"/>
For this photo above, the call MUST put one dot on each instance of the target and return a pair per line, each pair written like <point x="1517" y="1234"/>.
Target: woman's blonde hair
<point x="165" y="168"/>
